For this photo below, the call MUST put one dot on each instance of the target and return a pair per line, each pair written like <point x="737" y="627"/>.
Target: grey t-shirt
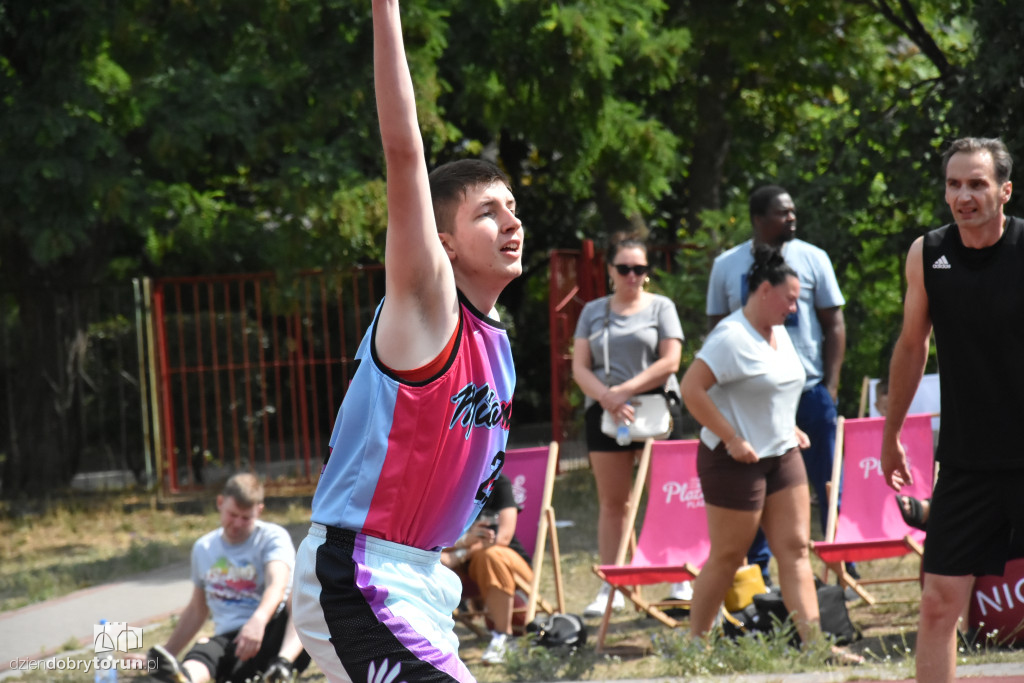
<point x="233" y="575"/>
<point x="757" y="388"/>
<point x="632" y="339"/>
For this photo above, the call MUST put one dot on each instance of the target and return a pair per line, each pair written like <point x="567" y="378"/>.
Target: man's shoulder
<point x="741" y="252"/>
<point x="942" y="229"/>
<point x="803" y="247"/>
<point x="809" y="260"/>
<point x="208" y="539"/>
<point x="271" y="529"/>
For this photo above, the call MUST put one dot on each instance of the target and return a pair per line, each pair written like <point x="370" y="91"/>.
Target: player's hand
<point x="249" y="638"/>
<point x="894" y="465"/>
<point x="802" y="440"/>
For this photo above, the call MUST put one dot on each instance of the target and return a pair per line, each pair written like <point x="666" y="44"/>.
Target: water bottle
<point x="105" y="665"/>
<point x="622" y="435"/>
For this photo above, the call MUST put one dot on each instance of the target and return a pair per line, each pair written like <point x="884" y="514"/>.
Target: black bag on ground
<point x="558" y="630"/>
<point x="741" y="622"/>
<point x="835" y="618"/>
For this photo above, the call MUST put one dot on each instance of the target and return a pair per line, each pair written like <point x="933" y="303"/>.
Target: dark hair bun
<point x="769" y="265"/>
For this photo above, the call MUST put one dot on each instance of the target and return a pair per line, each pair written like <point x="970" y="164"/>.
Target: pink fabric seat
<point x="673" y="542"/>
<point x="868" y="525"/>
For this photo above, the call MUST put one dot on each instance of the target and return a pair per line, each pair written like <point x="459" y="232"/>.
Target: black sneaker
<point x="166" y="669"/>
<point x="279" y="671"/>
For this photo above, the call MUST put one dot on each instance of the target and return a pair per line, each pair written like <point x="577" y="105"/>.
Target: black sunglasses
<point x="637" y="270"/>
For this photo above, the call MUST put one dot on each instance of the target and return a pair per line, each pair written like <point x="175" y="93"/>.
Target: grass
<point x="75" y="545"/>
<point x="88" y="541"/>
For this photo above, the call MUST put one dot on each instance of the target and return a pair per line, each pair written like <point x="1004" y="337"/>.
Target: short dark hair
<point x="761" y="199"/>
<point x="449" y="182"/>
<point x="1002" y="162"/>
<point x="622" y="240"/>
<point x="246" y="488"/>
<point x="768" y="266"/>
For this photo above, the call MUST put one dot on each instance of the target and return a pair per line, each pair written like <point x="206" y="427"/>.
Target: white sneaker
<point x="495" y="652"/>
<point x="681" y="591"/>
<point x="597" y="607"/>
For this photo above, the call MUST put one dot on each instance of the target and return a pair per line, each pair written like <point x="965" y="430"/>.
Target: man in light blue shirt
<point x="817" y="328"/>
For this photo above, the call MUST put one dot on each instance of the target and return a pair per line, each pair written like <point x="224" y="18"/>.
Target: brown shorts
<point x="742" y="486"/>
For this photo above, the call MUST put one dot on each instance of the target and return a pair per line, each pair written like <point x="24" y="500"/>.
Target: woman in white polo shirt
<point x="743" y="388"/>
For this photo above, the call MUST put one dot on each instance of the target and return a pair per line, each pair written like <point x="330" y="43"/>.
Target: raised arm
<point x="420" y="307"/>
<point x="906" y="367"/>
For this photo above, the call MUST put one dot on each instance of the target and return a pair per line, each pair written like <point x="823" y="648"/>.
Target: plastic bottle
<point x="622" y="435"/>
<point x="105" y="666"/>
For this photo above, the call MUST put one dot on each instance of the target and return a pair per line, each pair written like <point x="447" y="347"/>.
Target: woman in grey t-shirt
<point x="644" y="339"/>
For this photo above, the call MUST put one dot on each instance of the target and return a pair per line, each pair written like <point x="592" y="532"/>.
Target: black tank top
<point x="976" y="302"/>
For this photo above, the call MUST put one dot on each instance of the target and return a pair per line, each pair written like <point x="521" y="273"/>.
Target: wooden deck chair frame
<point x="835" y="555"/>
<point x="547" y="535"/>
<point x="646" y="574"/>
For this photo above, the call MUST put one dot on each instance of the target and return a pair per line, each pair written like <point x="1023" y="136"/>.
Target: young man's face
<point x="487" y="239"/>
<point x="973" y="194"/>
<point x="238" y="522"/>
<point x="778" y="224"/>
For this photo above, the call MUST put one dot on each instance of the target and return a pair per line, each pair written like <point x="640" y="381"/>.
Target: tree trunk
<point x="712" y="132"/>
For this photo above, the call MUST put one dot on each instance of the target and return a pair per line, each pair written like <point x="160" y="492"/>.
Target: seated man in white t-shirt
<point x="242" y="575"/>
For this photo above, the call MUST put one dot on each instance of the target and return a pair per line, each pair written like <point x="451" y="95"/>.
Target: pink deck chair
<point x="868" y="524"/>
<point x="673" y="543"/>
<point x="532" y="473"/>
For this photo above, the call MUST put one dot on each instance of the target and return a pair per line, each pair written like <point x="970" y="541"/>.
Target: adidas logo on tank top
<point x="941" y="263"/>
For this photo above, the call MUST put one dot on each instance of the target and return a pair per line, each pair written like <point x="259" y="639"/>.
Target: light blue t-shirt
<point x="232" y="576"/>
<point x="727" y="291"/>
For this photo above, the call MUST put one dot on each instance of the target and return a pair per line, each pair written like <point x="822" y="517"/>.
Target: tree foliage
<point x="199" y="136"/>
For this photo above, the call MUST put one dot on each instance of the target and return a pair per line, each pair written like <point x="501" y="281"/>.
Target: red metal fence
<point x="577" y="276"/>
<point x="251" y="370"/>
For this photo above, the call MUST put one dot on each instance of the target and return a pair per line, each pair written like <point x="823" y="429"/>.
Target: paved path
<point x="43" y="629"/>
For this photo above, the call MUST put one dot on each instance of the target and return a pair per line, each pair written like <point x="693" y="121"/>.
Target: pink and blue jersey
<point x="413" y="462"/>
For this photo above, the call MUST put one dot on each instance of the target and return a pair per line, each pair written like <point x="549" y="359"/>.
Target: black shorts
<point x="601" y="442"/>
<point x="217" y="654"/>
<point x="735" y="485"/>
<point x="974" y="521"/>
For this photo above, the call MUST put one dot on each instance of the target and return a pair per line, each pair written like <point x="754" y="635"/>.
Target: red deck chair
<point x="532" y="473"/>
<point x="673" y="542"/>
<point x="868" y="524"/>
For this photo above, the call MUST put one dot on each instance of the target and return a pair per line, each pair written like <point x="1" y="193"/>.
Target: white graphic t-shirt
<point x="233" y="575"/>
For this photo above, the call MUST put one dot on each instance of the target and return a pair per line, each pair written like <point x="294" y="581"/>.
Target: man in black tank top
<point x="965" y="280"/>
